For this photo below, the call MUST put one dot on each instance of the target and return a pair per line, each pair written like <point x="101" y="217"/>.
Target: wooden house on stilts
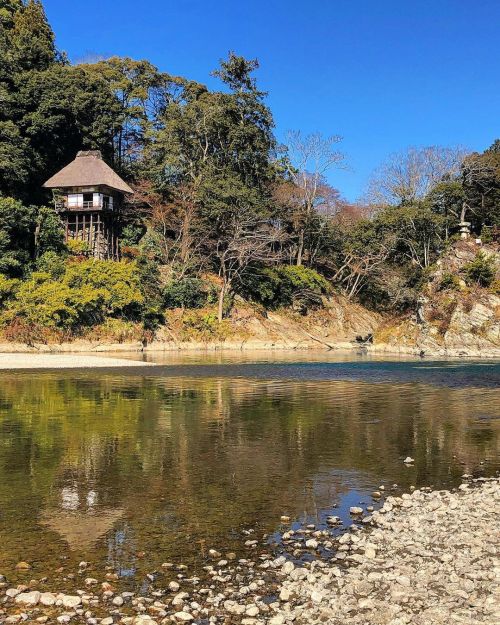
<point x="89" y="196"/>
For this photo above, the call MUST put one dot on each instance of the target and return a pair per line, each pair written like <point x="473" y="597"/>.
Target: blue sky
<point x="383" y="74"/>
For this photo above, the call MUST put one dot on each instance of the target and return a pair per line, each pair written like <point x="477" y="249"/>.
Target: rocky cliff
<point x="456" y="316"/>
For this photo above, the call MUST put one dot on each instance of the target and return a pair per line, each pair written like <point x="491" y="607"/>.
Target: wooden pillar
<point x="91" y="233"/>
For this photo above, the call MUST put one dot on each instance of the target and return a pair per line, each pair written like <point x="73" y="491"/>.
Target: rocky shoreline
<point x="425" y="558"/>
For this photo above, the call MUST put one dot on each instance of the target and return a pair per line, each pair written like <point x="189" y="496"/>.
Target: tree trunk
<point x="222" y="294"/>
<point x="300" y="250"/>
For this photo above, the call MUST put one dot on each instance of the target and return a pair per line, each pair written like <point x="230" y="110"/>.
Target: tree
<point x="31" y="39"/>
<point x="410" y="175"/>
<point x="244" y="240"/>
<point x="17" y="224"/>
<point x="308" y="159"/>
<point x="446" y="199"/>
<point x="480" y="178"/>
<point x="417" y="233"/>
<point x="142" y="92"/>
<point x="53" y="114"/>
<point x="210" y="163"/>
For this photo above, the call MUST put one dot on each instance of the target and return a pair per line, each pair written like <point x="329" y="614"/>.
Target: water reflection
<point x="134" y="470"/>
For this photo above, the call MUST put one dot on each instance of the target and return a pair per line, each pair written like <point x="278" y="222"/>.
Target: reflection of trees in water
<point x="188" y="460"/>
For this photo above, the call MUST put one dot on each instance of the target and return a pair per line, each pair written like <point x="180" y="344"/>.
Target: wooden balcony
<point x="62" y="206"/>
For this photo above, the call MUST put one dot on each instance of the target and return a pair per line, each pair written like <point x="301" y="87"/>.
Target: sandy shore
<point x="64" y="361"/>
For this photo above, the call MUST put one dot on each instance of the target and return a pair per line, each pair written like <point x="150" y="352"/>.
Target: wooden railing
<point x="62" y="205"/>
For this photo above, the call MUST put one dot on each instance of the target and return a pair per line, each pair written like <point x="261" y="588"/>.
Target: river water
<point x="131" y="468"/>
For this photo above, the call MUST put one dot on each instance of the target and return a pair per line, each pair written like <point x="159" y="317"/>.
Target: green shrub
<point x="78" y="247"/>
<point x="480" y="271"/>
<point x="284" y="286"/>
<point x="41" y="301"/>
<point x="51" y="263"/>
<point x="118" y="283"/>
<point x="8" y="288"/>
<point x="185" y="293"/>
<point x="449" y="282"/>
<point x="486" y="235"/>
<point x="86" y="294"/>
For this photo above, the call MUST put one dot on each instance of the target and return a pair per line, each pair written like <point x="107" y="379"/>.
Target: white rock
<point x="28" y="598"/>
<point x="47" y="598"/>
<point x="174" y="586"/>
<point x="356" y="510"/>
<point x="183" y="617"/>
<point x="71" y="601"/>
<point x="252" y="610"/>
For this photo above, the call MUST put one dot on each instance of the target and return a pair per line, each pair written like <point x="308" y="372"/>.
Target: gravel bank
<point x="425" y="558"/>
<point x="432" y="558"/>
<point x="63" y="361"/>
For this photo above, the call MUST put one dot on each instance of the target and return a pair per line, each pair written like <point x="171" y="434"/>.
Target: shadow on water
<point x="133" y="468"/>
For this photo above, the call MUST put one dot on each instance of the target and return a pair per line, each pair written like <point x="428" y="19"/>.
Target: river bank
<point x="251" y="345"/>
<point x="424" y="558"/>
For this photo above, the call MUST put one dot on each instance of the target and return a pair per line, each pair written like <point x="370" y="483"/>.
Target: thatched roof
<point x="87" y="170"/>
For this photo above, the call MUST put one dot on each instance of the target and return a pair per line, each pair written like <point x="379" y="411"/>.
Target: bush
<point x="51" y="263"/>
<point x="77" y="247"/>
<point x="86" y="294"/>
<point x="8" y="288"/>
<point x="480" y="271"/>
<point x="449" y="282"/>
<point x="41" y="301"/>
<point x="118" y="283"/>
<point x="185" y="293"/>
<point x="284" y="286"/>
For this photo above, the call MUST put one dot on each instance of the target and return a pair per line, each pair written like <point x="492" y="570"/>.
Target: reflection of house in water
<point x="78" y="519"/>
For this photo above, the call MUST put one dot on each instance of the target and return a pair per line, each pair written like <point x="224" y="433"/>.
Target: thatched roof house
<point x="87" y="170"/>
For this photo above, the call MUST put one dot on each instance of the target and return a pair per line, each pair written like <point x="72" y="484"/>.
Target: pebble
<point x="355" y="510"/>
<point x="71" y="601"/>
<point x="28" y="598"/>
<point x="23" y="566"/>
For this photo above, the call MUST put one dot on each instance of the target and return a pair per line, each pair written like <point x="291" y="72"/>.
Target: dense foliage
<point x="219" y="207"/>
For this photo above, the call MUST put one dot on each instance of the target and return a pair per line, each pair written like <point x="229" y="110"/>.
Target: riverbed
<point x="129" y="469"/>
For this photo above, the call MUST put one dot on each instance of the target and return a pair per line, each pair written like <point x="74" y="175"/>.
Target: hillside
<point x="455" y="317"/>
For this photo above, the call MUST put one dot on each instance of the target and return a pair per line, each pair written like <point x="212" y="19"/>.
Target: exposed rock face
<point x="456" y="320"/>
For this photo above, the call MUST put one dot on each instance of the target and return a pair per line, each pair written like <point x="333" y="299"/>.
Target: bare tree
<point x="244" y="241"/>
<point x="310" y="158"/>
<point x="408" y="176"/>
<point x="175" y="221"/>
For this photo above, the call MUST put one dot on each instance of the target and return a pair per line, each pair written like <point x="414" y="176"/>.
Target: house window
<point x="88" y="200"/>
